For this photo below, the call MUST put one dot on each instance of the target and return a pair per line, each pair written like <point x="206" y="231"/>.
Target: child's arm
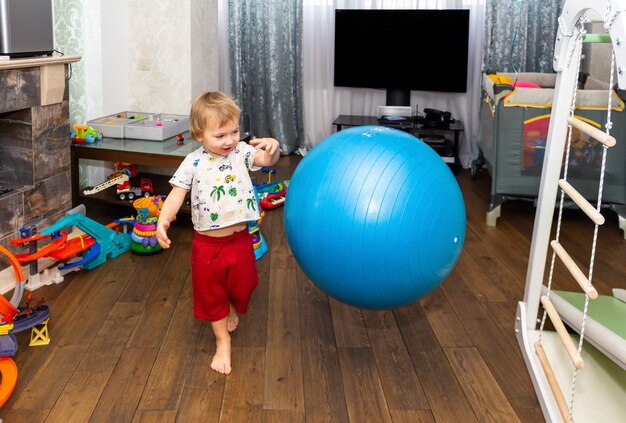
<point x="171" y="205"/>
<point x="269" y="151"/>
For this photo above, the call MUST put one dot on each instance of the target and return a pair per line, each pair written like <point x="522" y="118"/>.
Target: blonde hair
<point x="211" y="107"/>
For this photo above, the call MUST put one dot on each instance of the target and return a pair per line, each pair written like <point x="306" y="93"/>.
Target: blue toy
<point x="111" y="243"/>
<point x="374" y="217"/>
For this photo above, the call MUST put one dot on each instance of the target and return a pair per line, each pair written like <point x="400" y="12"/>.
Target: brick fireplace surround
<point x="34" y="144"/>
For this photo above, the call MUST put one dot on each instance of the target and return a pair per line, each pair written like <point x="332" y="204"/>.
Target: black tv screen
<point x="402" y="49"/>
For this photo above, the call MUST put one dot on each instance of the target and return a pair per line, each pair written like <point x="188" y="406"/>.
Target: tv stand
<point x="444" y="140"/>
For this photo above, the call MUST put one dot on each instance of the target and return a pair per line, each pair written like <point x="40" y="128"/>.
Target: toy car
<point x="85" y="133"/>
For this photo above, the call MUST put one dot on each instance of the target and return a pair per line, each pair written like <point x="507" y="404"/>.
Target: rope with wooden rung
<point x="607" y="141"/>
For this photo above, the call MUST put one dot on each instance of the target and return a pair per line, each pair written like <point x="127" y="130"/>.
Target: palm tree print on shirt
<point x="218" y="191"/>
<point x="251" y="203"/>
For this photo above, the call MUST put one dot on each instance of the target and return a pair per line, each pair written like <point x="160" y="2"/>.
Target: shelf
<point x="166" y="154"/>
<point x="452" y="133"/>
<point x="160" y="184"/>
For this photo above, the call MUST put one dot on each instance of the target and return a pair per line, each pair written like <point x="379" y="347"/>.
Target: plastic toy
<point x="111" y="243"/>
<point x="258" y="240"/>
<point x="122" y="174"/>
<point x="126" y="191"/>
<point x="260" y="245"/>
<point x="95" y="245"/>
<point x="127" y="168"/>
<point x="272" y="201"/>
<point x="143" y="236"/>
<point x="271" y="194"/>
<point x="269" y="187"/>
<point x="59" y="241"/>
<point x="85" y="133"/>
<point x="13" y="320"/>
<point x="30" y="239"/>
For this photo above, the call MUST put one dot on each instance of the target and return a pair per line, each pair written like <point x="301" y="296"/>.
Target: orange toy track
<point x="75" y="245"/>
<point x="35" y="237"/>
<point x="8" y="370"/>
<point x="19" y="275"/>
<point x="42" y="252"/>
<point x="72" y="247"/>
<point x="7" y="310"/>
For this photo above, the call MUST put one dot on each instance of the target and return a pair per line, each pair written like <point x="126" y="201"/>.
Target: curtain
<point x="520" y="35"/>
<point x="265" y="44"/>
<point x="323" y="102"/>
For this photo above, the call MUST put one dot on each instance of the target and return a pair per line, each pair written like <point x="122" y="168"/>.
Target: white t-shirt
<point x="221" y="189"/>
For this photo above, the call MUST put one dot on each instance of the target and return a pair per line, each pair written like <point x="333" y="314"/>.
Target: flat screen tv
<point x="402" y="50"/>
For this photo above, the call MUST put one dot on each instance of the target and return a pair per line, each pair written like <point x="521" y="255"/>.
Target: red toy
<point x="272" y="201"/>
<point x="126" y="191"/>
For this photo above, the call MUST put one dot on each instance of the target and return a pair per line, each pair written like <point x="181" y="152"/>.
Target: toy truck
<point x="85" y="133"/>
<point x="125" y="191"/>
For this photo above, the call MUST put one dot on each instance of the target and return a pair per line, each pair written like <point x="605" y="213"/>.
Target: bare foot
<point x="232" y="320"/>
<point x="221" y="359"/>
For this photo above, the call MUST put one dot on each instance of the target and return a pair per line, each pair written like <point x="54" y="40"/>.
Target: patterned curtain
<point x="69" y="38"/>
<point x="520" y="35"/>
<point x="265" y="40"/>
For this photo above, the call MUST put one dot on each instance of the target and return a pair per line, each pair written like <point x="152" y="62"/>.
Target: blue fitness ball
<point x="374" y="217"/>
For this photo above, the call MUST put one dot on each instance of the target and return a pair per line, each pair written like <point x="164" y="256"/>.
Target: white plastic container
<point x="157" y="127"/>
<point x="113" y="126"/>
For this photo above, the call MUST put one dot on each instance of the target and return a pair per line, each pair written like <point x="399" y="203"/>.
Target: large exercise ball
<point x="374" y="217"/>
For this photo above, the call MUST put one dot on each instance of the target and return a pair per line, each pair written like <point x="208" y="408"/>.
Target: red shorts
<point x="223" y="270"/>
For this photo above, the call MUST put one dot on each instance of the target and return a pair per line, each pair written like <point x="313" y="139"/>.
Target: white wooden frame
<point x="566" y="59"/>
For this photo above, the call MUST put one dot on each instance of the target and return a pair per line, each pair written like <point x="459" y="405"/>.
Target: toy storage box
<point x="157" y="127"/>
<point x="113" y="126"/>
<point x="513" y="133"/>
<point x="141" y="125"/>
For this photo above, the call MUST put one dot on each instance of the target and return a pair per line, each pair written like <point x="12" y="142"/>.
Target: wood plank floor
<point x="125" y="347"/>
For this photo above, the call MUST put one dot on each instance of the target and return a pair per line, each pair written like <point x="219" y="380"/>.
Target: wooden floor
<point x="125" y="347"/>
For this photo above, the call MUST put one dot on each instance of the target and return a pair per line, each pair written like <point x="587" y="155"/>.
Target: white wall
<point x="114" y="62"/>
<point x="148" y="56"/>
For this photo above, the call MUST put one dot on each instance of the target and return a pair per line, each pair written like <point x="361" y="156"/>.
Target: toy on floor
<point x="143" y="237"/>
<point x="112" y="243"/>
<point x="254" y="228"/>
<point x="85" y="133"/>
<point x="374" y="217"/>
<point x="95" y="245"/>
<point x="58" y="248"/>
<point x="271" y="194"/>
<point x="258" y="241"/>
<point x="271" y="201"/>
<point x="14" y="319"/>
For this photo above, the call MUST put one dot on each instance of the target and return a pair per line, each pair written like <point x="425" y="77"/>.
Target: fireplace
<point x="34" y="145"/>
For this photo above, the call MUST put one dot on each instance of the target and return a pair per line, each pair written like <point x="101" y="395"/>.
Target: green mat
<point x="606" y="310"/>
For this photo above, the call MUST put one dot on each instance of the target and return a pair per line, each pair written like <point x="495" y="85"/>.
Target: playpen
<point x="514" y="119"/>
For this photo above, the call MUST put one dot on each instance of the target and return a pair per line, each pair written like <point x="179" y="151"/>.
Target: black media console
<point x="445" y="141"/>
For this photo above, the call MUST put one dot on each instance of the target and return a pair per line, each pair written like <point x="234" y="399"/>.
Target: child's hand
<point x="269" y="151"/>
<point x="270" y="145"/>
<point x="161" y="233"/>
